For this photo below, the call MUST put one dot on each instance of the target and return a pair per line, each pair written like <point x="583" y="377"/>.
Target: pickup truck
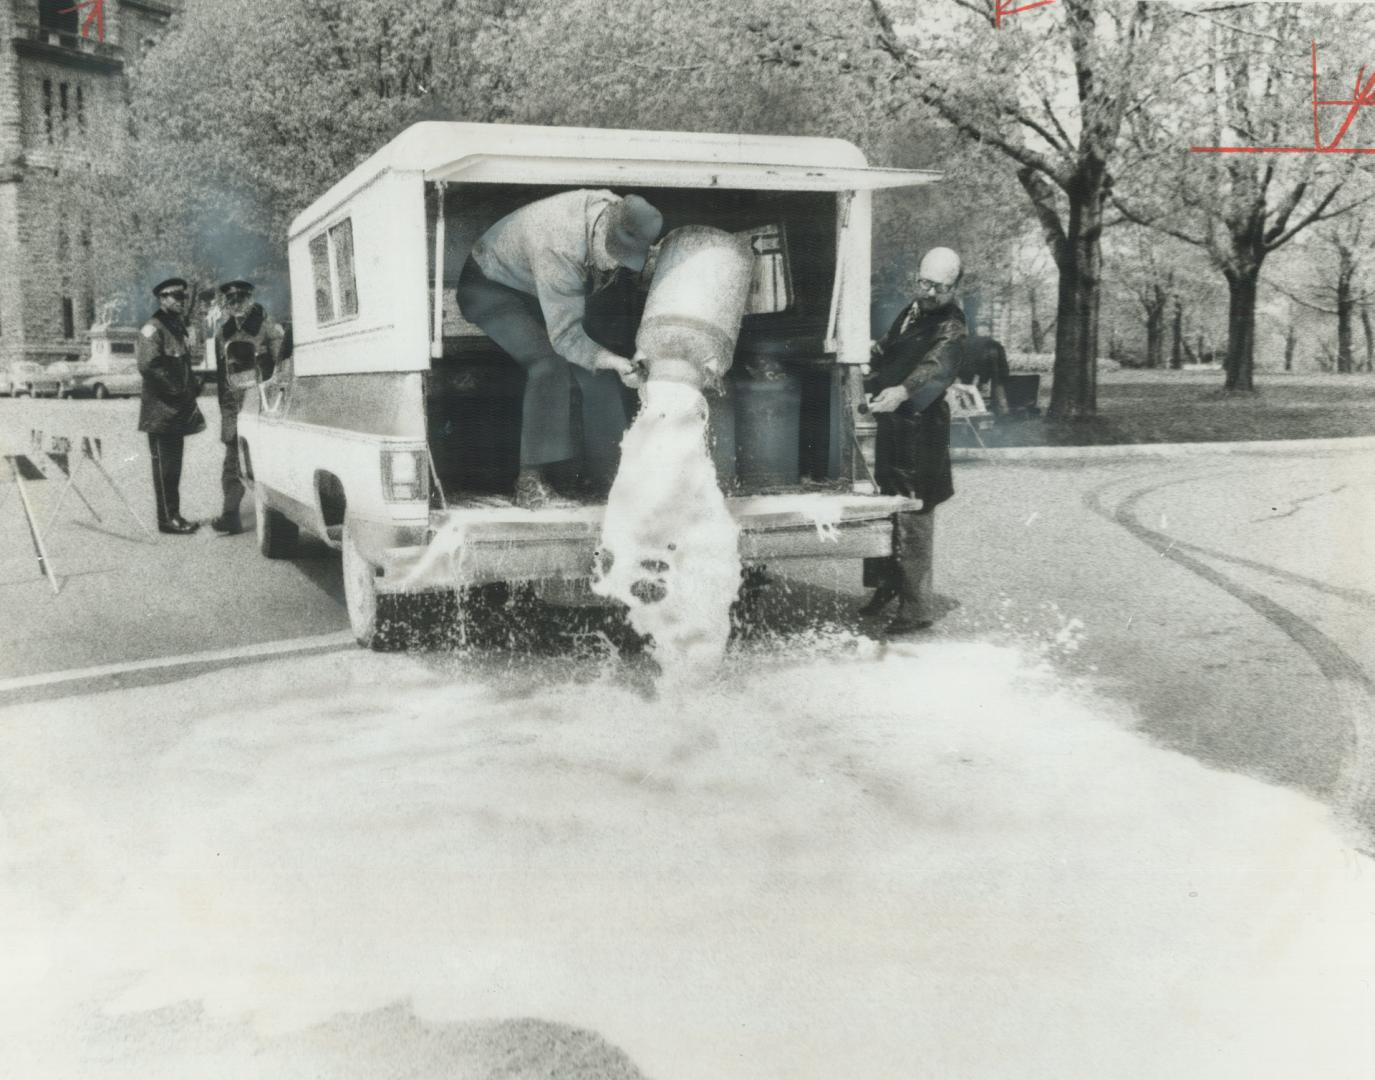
<point x="393" y="434"/>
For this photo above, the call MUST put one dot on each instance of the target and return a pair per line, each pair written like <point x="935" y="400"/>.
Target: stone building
<point x="62" y="111"/>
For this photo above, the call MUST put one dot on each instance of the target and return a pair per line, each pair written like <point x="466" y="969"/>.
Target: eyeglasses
<point x="175" y="294"/>
<point x="924" y="285"/>
<point x="236" y="296"/>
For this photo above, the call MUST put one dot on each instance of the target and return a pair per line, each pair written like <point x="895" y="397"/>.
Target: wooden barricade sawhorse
<point x="29" y="468"/>
<point x="967" y="407"/>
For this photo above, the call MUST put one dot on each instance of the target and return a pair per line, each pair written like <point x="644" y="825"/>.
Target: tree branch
<point x="1199" y="13"/>
<point x="1141" y="219"/>
<point x="1315" y="215"/>
<point x="1067" y="142"/>
<point x="1043" y="202"/>
<point x="939" y="98"/>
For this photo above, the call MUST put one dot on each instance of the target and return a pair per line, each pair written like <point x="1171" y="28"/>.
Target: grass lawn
<point x="1190" y="406"/>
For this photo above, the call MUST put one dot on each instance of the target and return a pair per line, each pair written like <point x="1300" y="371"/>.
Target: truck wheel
<point x="276" y="532"/>
<point x="376" y="619"/>
<point x="99" y="392"/>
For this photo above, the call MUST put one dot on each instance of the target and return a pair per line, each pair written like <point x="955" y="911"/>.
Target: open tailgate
<point x="491" y="540"/>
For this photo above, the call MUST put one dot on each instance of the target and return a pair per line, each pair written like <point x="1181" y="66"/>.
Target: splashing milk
<point x="669" y="547"/>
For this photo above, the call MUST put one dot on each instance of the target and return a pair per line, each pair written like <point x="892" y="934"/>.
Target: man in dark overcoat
<point x="246" y="341"/>
<point x="912" y="366"/>
<point x="168" y="412"/>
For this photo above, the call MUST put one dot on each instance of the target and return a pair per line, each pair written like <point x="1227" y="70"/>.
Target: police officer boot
<point x="178" y="526"/>
<point x="227" y="523"/>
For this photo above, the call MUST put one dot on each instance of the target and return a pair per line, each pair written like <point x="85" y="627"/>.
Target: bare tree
<point x="1098" y="56"/>
<point x="1240" y="207"/>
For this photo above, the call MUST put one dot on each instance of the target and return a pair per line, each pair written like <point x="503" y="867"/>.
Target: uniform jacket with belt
<point x="545" y="249"/>
<point x="169" y="384"/>
<point x="267" y="338"/>
<point x="912" y="456"/>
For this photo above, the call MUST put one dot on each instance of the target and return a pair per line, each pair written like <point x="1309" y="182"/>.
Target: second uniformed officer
<point x="168" y="412"/>
<point x="247" y="339"/>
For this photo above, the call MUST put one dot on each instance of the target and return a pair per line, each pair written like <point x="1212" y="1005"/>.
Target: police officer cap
<point x="170" y="283"/>
<point x="237" y="285"/>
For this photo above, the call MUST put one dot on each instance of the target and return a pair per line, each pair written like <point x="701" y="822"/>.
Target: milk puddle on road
<point x="836" y="859"/>
<point x="669" y="547"/>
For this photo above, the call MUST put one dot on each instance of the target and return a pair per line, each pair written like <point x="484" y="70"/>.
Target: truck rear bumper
<point x="482" y="544"/>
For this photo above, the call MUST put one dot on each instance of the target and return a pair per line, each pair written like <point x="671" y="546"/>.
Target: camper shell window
<point x="331" y="262"/>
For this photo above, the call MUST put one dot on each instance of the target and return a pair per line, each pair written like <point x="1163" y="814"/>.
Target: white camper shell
<point x="396" y="421"/>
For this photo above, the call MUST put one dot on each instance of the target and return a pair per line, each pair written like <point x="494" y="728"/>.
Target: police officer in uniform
<point x="168" y="412"/>
<point x="246" y="339"/>
<point x="912" y="366"/>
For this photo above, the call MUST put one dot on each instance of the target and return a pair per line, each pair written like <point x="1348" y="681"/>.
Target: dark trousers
<point x="908" y="572"/>
<point x="514" y="321"/>
<point x="231" y="479"/>
<point x="914" y="556"/>
<point x="166" y="451"/>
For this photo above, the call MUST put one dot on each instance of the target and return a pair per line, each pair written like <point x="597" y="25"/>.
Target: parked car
<point x="398" y="420"/>
<point x="28" y="378"/>
<point x="111" y="370"/>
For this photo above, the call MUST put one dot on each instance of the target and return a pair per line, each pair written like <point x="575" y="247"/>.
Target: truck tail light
<point x="405" y="477"/>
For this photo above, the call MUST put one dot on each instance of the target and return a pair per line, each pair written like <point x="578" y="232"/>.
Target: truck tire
<point x="99" y="392"/>
<point x="376" y="619"/>
<point x="276" y="532"/>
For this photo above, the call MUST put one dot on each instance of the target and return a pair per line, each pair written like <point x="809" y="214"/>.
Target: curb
<point x="1146" y="450"/>
<point x="135" y="672"/>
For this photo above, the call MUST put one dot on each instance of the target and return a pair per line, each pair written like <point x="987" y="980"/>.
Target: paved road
<point x="1226" y="596"/>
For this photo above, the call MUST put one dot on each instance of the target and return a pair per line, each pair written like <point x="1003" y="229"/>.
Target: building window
<point x="88" y="310"/>
<point x="68" y="319"/>
<point x="48" y="109"/>
<point x="80" y="109"/>
<point x="62" y="99"/>
<point x="59" y="15"/>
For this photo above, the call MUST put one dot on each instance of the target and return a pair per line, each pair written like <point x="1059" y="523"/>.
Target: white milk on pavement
<point x="838" y="859"/>
<point x="669" y="546"/>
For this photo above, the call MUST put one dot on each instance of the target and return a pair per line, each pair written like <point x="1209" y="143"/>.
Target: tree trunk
<point x="1074" y="386"/>
<point x="1155" y="328"/>
<point x="1369" y="338"/>
<point x="1346" y="303"/>
<point x="1242" y="286"/>
<point x="1177" y="336"/>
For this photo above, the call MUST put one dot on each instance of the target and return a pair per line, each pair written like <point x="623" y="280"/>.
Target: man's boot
<point x="907" y="620"/>
<point x="883" y="596"/>
<point x="533" y="492"/>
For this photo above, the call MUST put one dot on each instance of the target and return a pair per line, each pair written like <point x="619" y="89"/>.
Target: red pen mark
<point x="95" y="18"/>
<point x="1004" y="7"/>
<point x="1362" y="97"/>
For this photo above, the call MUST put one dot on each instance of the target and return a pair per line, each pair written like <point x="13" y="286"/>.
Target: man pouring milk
<point x="526" y="284"/>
